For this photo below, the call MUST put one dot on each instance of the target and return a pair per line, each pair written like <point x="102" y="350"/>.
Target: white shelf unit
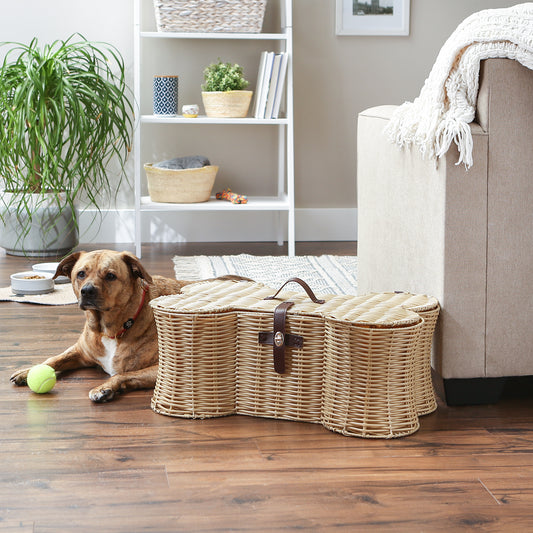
<point x="283" y="201"/>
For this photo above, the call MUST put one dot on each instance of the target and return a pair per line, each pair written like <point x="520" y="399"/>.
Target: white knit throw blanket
<point x="447" y="101"/>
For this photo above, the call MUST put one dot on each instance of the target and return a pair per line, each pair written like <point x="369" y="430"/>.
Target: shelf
<point x="281" y="175"/>
<point x="213" y="35"/>
<point x="255" y="203"/>
<point x="202" y="119"/>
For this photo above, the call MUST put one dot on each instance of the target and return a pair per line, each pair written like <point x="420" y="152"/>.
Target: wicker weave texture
<point x="428" y="308"/>
<point x="425" y="398"/>
<point x="363" y="370"/>
<point x="368" y="380"/>
<point x="196" y="376"/>
<point x="232" y="16"/>
<point x="184" y="185"/>
<point x="212" y="296"/>
<point x="226" y="104"/>
<point x="294" y="395"/>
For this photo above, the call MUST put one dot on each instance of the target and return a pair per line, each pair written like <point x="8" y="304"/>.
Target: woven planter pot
<point x="228" y="104"/>
<point x="181" y="186"/>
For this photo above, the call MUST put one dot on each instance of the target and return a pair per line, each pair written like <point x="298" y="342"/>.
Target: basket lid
<point x="219" y="296"/>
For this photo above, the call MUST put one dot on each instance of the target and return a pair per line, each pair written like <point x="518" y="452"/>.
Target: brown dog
<point x="113" y="289"/>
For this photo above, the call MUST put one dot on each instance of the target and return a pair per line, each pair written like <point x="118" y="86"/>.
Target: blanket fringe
<point x="446" y="105"/>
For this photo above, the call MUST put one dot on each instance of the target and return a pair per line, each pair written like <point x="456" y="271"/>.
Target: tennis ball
<point x="41" y="378"/>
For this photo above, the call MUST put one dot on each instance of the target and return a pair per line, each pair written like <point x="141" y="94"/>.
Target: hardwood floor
<point x="71" y="465"/>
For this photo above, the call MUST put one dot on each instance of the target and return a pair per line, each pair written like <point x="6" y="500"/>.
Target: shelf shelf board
<point x="202" y="119"/>
<point x="255" y="203"/>
<point x="214" y="35"/>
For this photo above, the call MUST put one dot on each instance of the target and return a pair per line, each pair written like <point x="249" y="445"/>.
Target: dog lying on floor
<point x="120" y="335"/>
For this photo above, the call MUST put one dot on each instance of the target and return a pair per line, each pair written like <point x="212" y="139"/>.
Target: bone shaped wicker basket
<point x="359" y="365"/>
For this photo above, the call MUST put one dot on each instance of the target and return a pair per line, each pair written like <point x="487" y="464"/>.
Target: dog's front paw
<point x="20" y="376"/>
<point x="101" y="394"/>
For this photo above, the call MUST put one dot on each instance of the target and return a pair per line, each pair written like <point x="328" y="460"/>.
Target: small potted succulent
<point x="223" y="92"/>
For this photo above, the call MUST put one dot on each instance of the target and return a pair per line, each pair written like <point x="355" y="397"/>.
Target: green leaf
<point x="224" y="77"/>
<point x="66" y="114"/>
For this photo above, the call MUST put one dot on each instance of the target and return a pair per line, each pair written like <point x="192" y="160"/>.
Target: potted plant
<point x="223" y="92"/>
<point x="66" y="121"/>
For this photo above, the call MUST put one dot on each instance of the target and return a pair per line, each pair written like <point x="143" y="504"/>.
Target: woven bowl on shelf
<point x="182" y="186"/>
<point x="232" y="16"/>
<point x="226" y="104"/>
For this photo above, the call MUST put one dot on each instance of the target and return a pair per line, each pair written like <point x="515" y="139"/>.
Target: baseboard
<point x="118" y="226"/>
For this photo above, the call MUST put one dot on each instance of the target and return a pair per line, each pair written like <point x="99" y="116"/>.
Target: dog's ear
<point x="67" y="264"/>
<point x="137" y="270"/>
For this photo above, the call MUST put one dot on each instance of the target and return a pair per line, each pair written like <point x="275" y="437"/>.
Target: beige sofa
<point x="465" y="237"/>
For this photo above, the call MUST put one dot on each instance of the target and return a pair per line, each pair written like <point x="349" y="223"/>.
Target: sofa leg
<point x="473" y="391"/>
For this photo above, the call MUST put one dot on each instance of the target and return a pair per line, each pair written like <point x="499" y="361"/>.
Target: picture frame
<point x="372" y="17"/>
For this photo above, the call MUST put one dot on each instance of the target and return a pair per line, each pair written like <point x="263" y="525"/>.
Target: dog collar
<point x="129" y="323"/>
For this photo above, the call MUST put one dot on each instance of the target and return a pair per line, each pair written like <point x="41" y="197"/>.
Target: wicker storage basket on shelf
<point x="187" y="185"/>
<point x="354" y="369"/>
<point x="232" y="16"/>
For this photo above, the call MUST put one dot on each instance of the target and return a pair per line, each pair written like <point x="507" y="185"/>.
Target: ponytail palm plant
<point x="65" y="115"/>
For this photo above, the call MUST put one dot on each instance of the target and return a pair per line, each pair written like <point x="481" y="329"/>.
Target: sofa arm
<point x="411" y="214"/>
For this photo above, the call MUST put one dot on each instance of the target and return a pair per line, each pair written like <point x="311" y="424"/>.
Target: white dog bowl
<point x="32" y="282"/>
<point x="50" y="268"/>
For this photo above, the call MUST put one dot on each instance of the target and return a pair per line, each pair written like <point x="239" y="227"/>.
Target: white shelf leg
<point x="291" y="235"/>
<point x="279" y="228"/>
<point x="137" y="133"/>
<point x="282" y="139"/>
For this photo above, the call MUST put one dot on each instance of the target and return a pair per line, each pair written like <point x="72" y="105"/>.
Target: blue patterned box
<point x="166" y="95"/>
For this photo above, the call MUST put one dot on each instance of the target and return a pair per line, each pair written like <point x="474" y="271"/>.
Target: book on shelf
<point x="280" y="85"/>
<point x="270" y="84"/>
<point x="265" y="69"/>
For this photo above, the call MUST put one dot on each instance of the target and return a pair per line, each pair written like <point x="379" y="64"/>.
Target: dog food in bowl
<point x="32" y="283"/>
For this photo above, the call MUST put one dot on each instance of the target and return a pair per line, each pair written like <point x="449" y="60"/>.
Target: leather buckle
<point x="279" y="339"/>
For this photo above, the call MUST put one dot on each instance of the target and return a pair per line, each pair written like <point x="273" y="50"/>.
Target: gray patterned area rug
<point x="325" y="274"/>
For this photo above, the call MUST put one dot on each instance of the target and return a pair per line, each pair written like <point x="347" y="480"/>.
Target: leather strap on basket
<point x="279" y="338"/>
<point x="304" y="285"/>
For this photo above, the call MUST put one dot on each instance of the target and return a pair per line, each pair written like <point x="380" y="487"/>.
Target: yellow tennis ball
<point x="41" y="379"/>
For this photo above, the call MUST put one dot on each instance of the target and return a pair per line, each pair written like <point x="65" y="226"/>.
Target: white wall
<point x="97" y="20"/>
<point x="334" y="78"/>
<point x="110" y="21"/>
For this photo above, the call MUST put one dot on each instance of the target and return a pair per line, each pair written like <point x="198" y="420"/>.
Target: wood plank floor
<point x="70" y="465"/>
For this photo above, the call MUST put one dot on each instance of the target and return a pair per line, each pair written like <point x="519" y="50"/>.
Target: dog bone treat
<point x="232" y="197"/>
